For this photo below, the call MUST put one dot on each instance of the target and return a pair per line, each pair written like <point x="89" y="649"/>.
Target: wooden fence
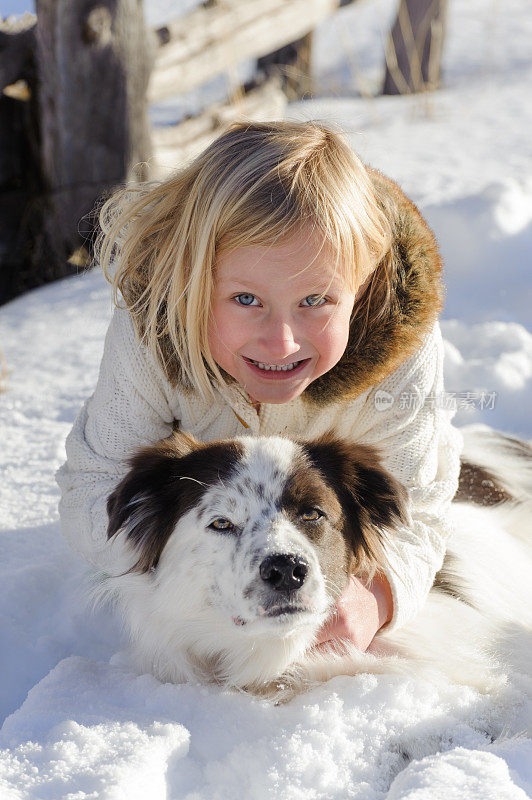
<point x="76" y="82"/>
<point x="215" y="38"/>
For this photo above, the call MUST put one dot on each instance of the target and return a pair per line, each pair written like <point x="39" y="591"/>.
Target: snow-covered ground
<point x="78" y="723"/>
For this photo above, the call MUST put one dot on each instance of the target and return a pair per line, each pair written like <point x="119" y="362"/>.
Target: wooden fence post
<point x="94" y="63"/>
<point x="414" y="47"/>
<point x="85" y="124"/>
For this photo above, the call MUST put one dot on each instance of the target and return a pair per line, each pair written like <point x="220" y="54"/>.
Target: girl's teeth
<point x="285" y="368"/>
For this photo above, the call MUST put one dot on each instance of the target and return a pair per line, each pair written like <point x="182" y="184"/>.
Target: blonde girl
<point x="275" y="286"/>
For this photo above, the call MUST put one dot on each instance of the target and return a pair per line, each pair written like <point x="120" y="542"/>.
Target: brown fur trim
<point x="417" y="300"/>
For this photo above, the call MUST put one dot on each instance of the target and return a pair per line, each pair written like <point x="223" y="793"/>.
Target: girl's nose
<point x="276" y="341"/>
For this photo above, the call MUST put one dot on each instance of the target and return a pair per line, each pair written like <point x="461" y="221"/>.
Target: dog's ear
<point x="142" y="503"/>
<point x="372" y="500"/>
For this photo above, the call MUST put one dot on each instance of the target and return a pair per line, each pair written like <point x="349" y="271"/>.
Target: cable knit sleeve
<point x="407" y="416"/>
<point x="129" y="408"/>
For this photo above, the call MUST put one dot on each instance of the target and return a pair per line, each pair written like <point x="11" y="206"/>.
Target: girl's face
<point x="264" y="314"/>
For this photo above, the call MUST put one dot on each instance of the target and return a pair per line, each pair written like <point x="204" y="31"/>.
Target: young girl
<point x="275" y="286"/>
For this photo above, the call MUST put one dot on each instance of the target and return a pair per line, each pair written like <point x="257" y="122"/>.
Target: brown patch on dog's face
<point x="307" y="494"/>
<point x="370" y="501"/>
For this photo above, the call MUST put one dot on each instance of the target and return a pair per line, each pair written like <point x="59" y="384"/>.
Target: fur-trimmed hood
<point x="374" y="351"/>
<point x="414" y="276"/>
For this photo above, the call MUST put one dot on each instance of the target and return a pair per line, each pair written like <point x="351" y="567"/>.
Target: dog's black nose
<point x="284" y="572"/>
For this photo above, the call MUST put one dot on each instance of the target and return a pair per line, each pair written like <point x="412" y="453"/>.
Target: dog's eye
<point x="311" y="514"/>
<point x="222" y="524"/>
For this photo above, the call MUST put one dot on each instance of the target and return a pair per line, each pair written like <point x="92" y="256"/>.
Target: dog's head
<point x="261" y="533"/>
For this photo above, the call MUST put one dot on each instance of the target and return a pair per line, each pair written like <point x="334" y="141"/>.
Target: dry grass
<point x="4" y="372"/>
<point x="421" y="87"/>
<point x="430" y="26"/>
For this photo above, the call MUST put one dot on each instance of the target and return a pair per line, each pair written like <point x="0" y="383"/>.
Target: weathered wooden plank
<point x="176" y="144"/>
<point x="209" y="40"/>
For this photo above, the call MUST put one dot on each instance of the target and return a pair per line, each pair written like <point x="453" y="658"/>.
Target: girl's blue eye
<point x="315" y="300"/>
<point x="245" y="299"/>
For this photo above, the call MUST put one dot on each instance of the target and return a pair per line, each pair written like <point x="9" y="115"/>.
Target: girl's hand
<point x="360" y="612"/>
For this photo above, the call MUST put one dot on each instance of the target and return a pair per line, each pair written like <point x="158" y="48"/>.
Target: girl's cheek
<point x="335" y="330"/>
<point x="337" y="342"/>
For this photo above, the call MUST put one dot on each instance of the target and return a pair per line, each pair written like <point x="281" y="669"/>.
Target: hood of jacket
<point x="413" y="276"/>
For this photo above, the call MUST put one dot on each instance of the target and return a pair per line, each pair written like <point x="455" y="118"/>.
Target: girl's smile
<point x="279" y="315"/>
<point x="277" y="372"/>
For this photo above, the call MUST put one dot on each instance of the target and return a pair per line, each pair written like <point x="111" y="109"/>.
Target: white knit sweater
<point x="134" y="404"/>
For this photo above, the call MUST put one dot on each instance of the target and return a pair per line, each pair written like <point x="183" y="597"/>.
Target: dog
<point x="238" y="550"/>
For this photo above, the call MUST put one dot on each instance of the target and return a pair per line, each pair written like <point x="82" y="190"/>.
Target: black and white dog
<point x="240" y="549"/>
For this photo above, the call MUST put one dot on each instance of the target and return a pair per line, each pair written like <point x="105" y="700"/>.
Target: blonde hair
<point x="253" y="185"/>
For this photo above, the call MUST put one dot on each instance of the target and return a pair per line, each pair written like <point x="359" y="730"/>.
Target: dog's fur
<point x="239" y="549"/>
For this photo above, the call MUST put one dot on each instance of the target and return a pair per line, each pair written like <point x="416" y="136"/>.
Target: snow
<point x="78" y="722"/>
<point x="96" y="729"/>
